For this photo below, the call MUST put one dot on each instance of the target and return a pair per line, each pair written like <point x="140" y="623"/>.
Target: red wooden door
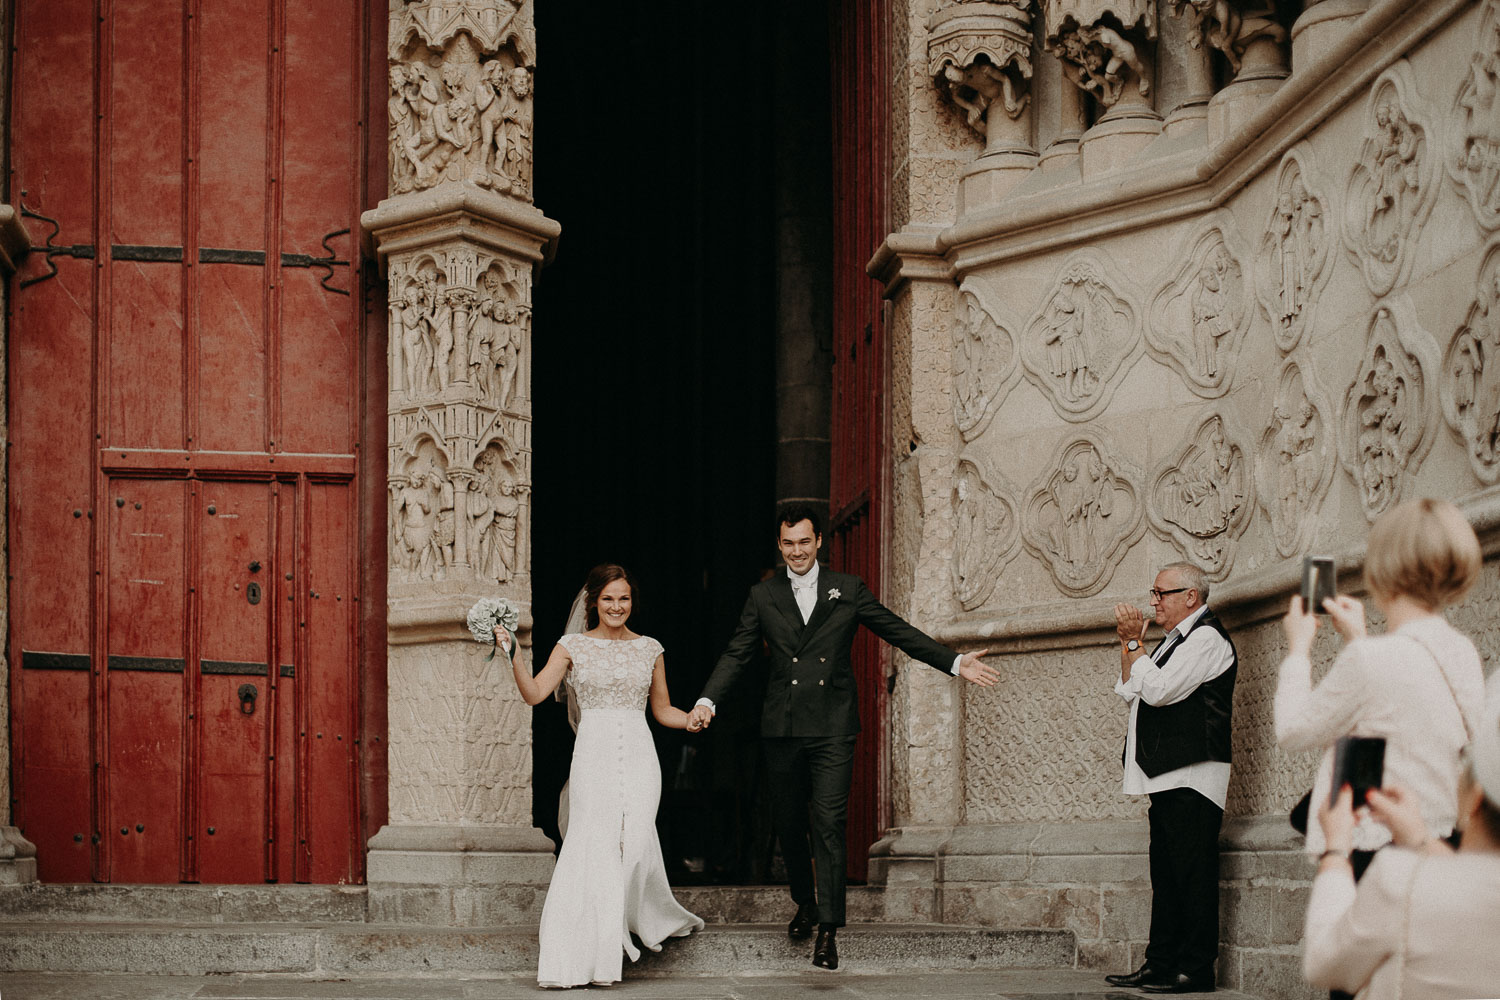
<point x="858" y="481"/>
<point x="185" y="387"/>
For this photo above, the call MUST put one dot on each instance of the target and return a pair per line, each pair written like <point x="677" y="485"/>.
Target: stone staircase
<point x="205" y="930"/>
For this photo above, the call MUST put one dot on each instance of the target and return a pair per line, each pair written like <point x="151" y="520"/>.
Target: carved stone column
<point x="1182" y="54"/>
<point x="17" y="854"/>
<point x="1323" y="22"/>
<point x="459" y="240"/>
<point x="1251" y="41"/>
<point x="979" y="53"/>
<point x="1106" y="50"/>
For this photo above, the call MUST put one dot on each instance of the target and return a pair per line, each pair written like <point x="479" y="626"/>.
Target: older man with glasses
<point x="1177" y="753"/>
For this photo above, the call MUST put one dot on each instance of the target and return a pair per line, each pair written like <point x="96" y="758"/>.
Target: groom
<point x="807" y="617"/>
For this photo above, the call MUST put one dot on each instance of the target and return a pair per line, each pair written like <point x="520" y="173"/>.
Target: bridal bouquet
<point x="489" y="618"/>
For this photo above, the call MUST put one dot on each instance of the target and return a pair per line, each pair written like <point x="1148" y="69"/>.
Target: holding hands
<point x="699" y="718"/>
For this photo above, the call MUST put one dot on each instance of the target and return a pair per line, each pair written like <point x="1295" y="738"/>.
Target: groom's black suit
<point x="811" y="714"/>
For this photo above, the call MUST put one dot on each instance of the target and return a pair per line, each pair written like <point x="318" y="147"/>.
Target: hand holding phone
<point x="1318" y="583"/>
<point x="1359" y="762"/>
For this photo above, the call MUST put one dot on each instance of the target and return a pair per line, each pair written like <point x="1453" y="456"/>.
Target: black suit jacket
<point x="810" y="690"/>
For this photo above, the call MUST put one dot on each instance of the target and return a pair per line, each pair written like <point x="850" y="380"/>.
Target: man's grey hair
<point x="1191" y="576"/>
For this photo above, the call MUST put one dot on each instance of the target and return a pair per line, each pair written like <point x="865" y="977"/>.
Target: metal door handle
<point x="248" y="694"/>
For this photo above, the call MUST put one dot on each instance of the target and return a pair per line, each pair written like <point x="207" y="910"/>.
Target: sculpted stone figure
<point x="1471" y="389"/>
<point x="1103" y="46"/>
<point x="1293" y="263"/>
<point x="416" y="339"/>
<point x="1297" y="472"/>
<point x="1082" y="336"/>
<point x="1067" y="349"/>
<point x="415" y="523"/>
<point x="1202" y="499"/>
<point x="1474" y="155"/>
<point x="1082" y="514"/>
<point x="1211" y="323"/>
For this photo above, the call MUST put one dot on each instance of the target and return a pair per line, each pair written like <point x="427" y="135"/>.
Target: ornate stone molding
<point x="1202" y="498"/>
<point x="1394" y="182"/>
<point x="1471" y="374"/>
<point x="987" y="531"/>
<point x="1295" y="462"/>
<point x="1202" y="307"/>
<point x="1083" y="513"/>
<point x="1390" y="411"/>
<point x="985" y="364"/>
<point x="979" y="53"/>
<point x="460" y="102"/>
<point x="1104" y="46"/>
<point x="1083" y="337"/>
<point x="1474" y="148"/>
<point x="1294" y="261"/>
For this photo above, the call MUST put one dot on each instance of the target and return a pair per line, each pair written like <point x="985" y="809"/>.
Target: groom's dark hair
<point x="602" y="576"/>
<point x="795" y="513"/>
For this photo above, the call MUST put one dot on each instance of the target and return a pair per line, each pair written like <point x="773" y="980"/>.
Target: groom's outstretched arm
<point x="742" y="648"/>
<point x="917" y="644"/>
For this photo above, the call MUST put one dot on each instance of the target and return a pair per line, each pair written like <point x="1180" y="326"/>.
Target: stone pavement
<point x="1002" y="984"/>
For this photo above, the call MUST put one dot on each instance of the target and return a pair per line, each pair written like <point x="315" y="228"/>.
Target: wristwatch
<point x="1132" y="645"/>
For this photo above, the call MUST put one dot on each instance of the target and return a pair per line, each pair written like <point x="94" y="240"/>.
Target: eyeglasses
<point x="1159" y="594"/>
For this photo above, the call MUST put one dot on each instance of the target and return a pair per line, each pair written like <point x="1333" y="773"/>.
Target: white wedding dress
<point x="610" y="881"/>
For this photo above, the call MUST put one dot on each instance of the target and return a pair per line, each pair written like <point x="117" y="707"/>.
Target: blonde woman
<point x="1420" y="685"/>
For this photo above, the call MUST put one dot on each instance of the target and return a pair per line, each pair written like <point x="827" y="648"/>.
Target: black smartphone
<point x="1359" y="762"/>
<point x="1318" y="582"/>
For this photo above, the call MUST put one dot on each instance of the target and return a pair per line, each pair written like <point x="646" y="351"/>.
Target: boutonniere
<point x="833" y="593"/>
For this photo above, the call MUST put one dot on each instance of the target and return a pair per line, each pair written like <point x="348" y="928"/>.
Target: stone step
<point x="327" y="904"/>
<point x="357" y="949"/>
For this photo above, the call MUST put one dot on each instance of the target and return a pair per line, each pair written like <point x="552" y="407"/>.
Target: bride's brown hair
<point x="600" y="577"/>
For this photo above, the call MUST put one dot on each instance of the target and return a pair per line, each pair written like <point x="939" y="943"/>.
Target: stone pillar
<point x="804" y="249"/>
<point x="459" y="240"/>
<point x="1184" y="66"/>
<point x="1254" y="43"/>
<point x="1323" y="22"/>
<point x="17" y="854"/>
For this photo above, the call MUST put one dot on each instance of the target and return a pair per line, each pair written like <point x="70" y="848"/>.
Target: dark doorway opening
<point x="655" y="382"/>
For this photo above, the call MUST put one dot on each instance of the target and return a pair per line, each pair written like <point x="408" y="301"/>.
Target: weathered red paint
<point x="186" y="427"/>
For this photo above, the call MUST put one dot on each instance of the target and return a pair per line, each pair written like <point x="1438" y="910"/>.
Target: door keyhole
<point x="248" y="694"/>
<point x="252" y="592"/>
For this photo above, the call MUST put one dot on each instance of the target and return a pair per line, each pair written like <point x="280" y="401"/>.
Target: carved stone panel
<point x="421" y="513"/>
<point x="1083" y="513"/>
<point x="1201" y="310"/>
<point x="1471" y="374"/>
<point x="984" y="363"/>
<point x="1295" y="462"/>
<point x="1391" y="409"/>
<point x="1295" y="257"/>
<point x="1083" y="338"/>
<point x="460" y="101"/>
<point x="1203" y="497"/>
<point x="1394" y="182"/>
<point x="1474" y="149"/>
<point x="986" y="532"/>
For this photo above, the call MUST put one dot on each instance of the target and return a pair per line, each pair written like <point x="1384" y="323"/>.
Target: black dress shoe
<point x="1147" y="974"/>
<point x="801" y="927"/>
<point x="826" y="951"/>
<point x="1179" y="982"/>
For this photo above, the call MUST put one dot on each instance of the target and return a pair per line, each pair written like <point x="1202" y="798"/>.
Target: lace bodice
<point x="611" y="673"/>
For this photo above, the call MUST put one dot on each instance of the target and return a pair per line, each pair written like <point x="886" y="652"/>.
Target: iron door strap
<point x="176" y="255"/>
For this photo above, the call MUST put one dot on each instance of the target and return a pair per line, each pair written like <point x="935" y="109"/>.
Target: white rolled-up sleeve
<point x="1204" y="655"/>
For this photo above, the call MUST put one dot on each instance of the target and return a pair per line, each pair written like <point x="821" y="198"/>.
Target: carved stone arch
<point x="1393" y="184"/>
<point x="1471" y="374"/>
<point x="1391" y="410"/>
<point x="1473" y="158"/>
<point x="1201" y="310"/>
<point x="1295" y="258"/>
<point x="1082" y="514"/>
<point x="1083" y="337"/>
<point x="1202" y="498"/>
<point x="986" y="531"/>
<point x="1295" y="461"/>
<point x="985" y="365"/>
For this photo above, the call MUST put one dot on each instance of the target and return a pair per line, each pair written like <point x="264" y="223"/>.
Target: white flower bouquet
<point x="491" y="617"/>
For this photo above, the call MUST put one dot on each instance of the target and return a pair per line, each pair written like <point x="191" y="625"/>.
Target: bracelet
<point x="1335" y="852"/>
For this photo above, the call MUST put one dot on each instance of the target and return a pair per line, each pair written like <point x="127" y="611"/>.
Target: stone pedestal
<point x="1323" y="23"/>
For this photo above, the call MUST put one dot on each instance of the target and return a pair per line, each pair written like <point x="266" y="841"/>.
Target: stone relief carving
<point x="1083" y="513"/>
<point x="986" y="532"/>
<point x="1222" y="25"/>
<point x="1471" y="374"/>
<point x="1394" y="182"/>
<point x="494" y="512"/>
<point x="984" y="363"/>
<point x="460" y="105"/>
<point x="421" y="515"/>
<point x="1081" y="340"/>
<point x="979" y="53"/>
<point x="1295" y="258"/>
<point x="1295" y="461"/>
<point x="1390" y="410"/>
<point x="1104" y="46"/>
<point x="1474" y="152"/>
<point x="1203" y="497"/>
<point x="1201" y="310"/>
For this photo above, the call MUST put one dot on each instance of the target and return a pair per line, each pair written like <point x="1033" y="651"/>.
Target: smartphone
<point x="1359" y="762"/>
<point x="1318" y="582"/>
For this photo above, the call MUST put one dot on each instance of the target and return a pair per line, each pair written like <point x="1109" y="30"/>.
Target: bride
<point x="610" y="881"/>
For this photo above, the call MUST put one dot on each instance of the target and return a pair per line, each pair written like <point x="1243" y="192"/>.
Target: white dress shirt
<point x="1204" y="656"/>
<point x="805" y="593"/>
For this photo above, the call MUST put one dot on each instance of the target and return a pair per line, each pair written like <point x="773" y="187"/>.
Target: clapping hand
<point x="974" y="670"/>
<point x="1129" y="622"/>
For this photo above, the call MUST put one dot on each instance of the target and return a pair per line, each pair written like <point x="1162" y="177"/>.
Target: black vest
<point x="1197" y="727"/>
